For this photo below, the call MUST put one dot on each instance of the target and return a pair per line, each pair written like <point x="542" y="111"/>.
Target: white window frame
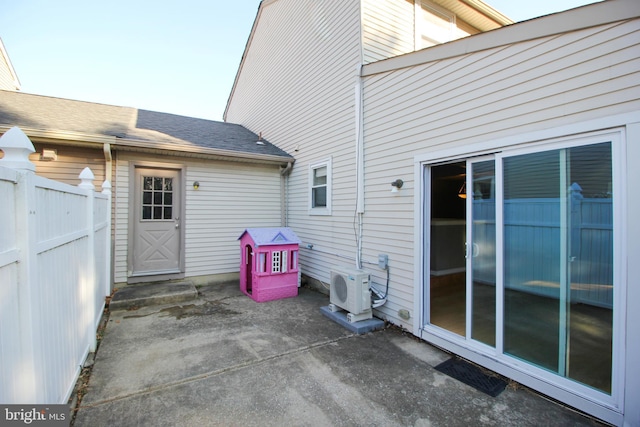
<point x="321" y="210"/>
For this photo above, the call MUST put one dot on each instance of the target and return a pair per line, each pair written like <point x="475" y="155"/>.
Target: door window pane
<point x="157" y="198"/>
<point x="447" y="278"/>
<point x="558" y="261"/>
<point x="483" y="252"/>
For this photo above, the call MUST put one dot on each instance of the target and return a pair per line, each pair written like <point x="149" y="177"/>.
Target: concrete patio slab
<point x="226" y="360"/>
<point x="135" y="296"/>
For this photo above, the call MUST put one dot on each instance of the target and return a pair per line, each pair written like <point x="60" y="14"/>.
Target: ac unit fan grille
<point x="340" y="287"/>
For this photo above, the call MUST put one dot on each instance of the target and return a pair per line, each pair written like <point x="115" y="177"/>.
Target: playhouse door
<point x="156" y="222"/>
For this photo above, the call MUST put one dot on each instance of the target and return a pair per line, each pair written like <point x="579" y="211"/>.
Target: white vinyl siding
<point x="296" y="86"/>
<point x="8" y="78"/>
<point x="484" y="96"/>
<point x="230" y="198"/>
<point x="69" y="163"/>
<point x="388" y="28"/>
<point x="395" y="27"/>
<point x="581" y="81"/>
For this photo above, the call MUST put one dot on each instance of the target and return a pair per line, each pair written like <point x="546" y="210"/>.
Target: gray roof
<point x="128" y="124"/>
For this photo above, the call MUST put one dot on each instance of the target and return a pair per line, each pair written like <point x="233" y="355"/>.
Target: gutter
<point x="133" y="145"/>
<point x="93" y="140"/>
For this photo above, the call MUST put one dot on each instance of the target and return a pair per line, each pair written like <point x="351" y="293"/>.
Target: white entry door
<point x="156" y="222"/>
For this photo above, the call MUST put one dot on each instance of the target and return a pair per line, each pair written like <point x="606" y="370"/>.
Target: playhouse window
<point x="262" y="262"/>
<point x="275" y="262"/>
<point x="279" y="263"/>
<point x="294" y="260"/>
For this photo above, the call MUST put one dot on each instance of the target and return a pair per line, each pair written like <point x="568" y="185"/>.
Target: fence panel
<point x="54" y="276"/>
<point x="533" y="235"/>
<point x="10" y="334"/>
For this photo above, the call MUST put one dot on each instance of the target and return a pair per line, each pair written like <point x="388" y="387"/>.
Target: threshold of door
<point x="134" y="296"/>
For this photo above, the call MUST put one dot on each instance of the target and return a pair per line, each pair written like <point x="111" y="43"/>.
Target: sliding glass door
<point x="462" y="281"/>
<point x="558" y="261"/>
<point x="521" y="258"/>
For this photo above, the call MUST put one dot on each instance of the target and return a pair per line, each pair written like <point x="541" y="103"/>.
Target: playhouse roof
<point x="271" y="236"/>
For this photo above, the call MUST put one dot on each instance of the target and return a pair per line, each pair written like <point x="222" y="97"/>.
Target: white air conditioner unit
<point x="350" y="291"/>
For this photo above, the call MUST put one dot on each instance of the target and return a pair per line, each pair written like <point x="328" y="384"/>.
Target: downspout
<point x="284" y="173"/>
<point x="359" y="166"/>
<point x="106" y="148"/>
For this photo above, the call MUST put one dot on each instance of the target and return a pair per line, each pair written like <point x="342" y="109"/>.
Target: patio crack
<point x="237" y="367"/>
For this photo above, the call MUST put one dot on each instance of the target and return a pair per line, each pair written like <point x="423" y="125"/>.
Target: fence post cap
<point x="106" y="187"/>
<point x="16" y="146"/>
<point x="86" y="179"/>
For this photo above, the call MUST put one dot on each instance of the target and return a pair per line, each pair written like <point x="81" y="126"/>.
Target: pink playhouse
<point x="269" y="264"/>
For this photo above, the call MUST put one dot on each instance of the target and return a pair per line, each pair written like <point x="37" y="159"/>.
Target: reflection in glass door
<point x="447" y="276"/>
<point x="521" y="262"/>
<point x="482" y="251"/>
<point x="558" y="261"/>
<point x="462" y="281"/>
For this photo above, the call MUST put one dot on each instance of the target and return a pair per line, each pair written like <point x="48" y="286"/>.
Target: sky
<point x="175" y="56"/>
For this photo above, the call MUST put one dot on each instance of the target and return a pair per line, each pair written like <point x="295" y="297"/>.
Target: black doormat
<point x="472" y="375"/>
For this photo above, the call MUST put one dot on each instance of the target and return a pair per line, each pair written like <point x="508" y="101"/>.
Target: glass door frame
<point x="564" y="389"/>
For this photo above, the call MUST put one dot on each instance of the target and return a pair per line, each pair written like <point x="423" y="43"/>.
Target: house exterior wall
<point x="231" y="197"/>
<point x="70" y="162"/>
<point x="507" y="95"/>
<point x="389" y="28"/>
<point x="296" y="86"/>
<point x="8" y="78"/>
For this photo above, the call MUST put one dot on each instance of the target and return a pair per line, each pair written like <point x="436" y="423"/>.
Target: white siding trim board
<point x="561" y="23"/>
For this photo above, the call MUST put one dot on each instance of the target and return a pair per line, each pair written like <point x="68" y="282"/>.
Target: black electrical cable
<point x="386" y="291"/>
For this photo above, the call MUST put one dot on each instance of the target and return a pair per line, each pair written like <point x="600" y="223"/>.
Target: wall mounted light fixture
<point x="49" y="154"/>
<point x="196" y="185"/>
<point x="396" y="185"/>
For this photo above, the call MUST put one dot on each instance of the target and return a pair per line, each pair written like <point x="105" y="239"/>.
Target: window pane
<point x="148" y="183"/>
<point x="168" y="213"/>
<point x="168" y="199"/>
<point x="146" y="212"/>
<point x="157" y="183"/>
<point x="146" y="197"/>
<point x="157" y="198"/>
<point x="558" y="261"/>
<point x="168" y="184"/>
<point x="483" y="253"/>
<point x="157" y="212"/>
<point x="319" y="197"/>
<point x="320" y="176"/>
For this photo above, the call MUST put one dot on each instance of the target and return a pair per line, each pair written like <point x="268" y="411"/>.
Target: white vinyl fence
<point x="54" y="276"/>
